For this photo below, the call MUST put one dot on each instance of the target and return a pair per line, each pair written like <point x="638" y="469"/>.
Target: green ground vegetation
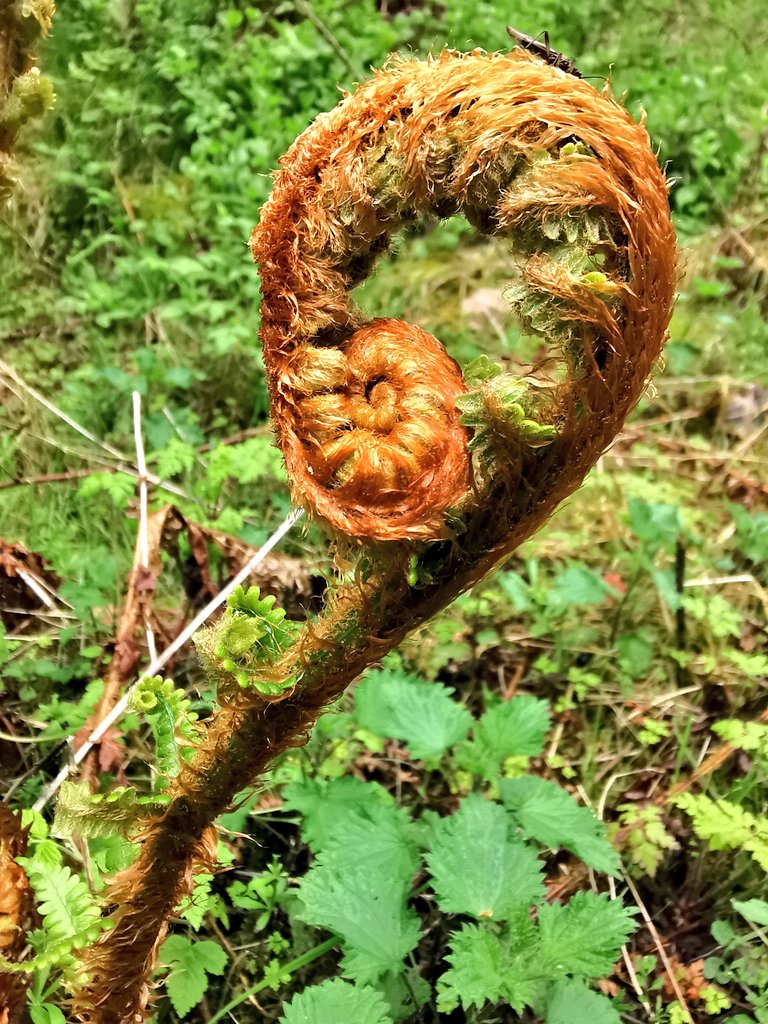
<point x="582" y="690"/>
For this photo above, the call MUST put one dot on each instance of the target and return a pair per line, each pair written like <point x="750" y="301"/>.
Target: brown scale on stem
<point x="365" y="413"/>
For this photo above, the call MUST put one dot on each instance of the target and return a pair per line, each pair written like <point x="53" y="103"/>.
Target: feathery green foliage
<point x="725" y="825"/>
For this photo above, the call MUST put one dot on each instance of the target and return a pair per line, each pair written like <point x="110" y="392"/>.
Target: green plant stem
<point x="293" y="965"/>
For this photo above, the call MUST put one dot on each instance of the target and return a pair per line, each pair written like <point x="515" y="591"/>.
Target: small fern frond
<point x="246" y="642"/>
<point x="71" y="918"/>
<point x="92" y="814"/>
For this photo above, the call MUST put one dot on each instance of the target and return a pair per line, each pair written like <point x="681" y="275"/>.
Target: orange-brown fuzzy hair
<point x="364" y="413"/>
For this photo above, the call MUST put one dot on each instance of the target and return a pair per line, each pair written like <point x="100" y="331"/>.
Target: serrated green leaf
<point x="585" y="936"/>
<point x="478" y="867"/>
<point x="487" y="969"/>
<point x="336" y="1002"/>
<point x="549" y="815"/>
<point x="752" y="736"/>
<point x="71" y="918"/>
<point x="654" y="524"/>
<point x="578" y="587"/>
<point x="191" y="963"/>
<point x="367" y="909"/>
<point x="571" y="1002"/>
<point x="175" y="457"/>
<point x="386" y="841"/>
<point x="513" y="728"/>
<point x="112" y="853"/>
<point x="324" y="804"/>
<point x="119" y="486"/>
<point x="423" y="715"/>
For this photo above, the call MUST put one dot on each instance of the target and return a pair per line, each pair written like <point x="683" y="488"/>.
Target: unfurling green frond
<point x="167" y="710"/>
<point x="499" y="409"/>
<point x="249" y="638"/>
<point x="89" y="814"/>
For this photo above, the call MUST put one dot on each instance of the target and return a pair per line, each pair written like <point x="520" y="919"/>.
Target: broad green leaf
<point x="367" y="908"/>
<point x="753" y="910"/>
<point x="478" y="867"/>
<point x="423" y="715"/>
<point x="112" y="853"/>
<point x="336" y="1002"/>
<point x="385" y="841"/>
<point x="514" y="728"/>
<point x="655" y="525"/>
<point x="571" y="1002"/>
<point x="191" y="963"/>
<point x="577" y="587"/>
<point x="585" y="936"/>
<point x="485" y="969"/>
<point x="44" y="1013"/>
<point x="546" y="813"/>
<point x="751" y="533"/>
<point x="516" y="589"/>
<point x="636" y="653"/>
<point x="323" y="805"/>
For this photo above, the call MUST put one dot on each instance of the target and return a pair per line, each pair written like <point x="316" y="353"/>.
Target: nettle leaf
<point x="478" y="867"/>
<point x="654" y="525"/>
<point x="323" y="805"/>
<point x="571" y="1002"/>
<point x="546" y="813"/>
<point x="191" y="963"/>
<point x="423" y="715"/>
<point x="487" y="969"/>
<point x="386" y="841"/>
<point x="514" y="728"/>
<point x="585" y="936"/>
<point x="367" y="908"/>
<point x="336" y="1002"/>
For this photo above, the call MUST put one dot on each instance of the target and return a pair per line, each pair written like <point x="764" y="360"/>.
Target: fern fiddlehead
<point x="428" y="476"/>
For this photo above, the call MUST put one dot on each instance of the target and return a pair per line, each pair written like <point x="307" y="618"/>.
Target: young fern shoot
<point x="426" y="477"/>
